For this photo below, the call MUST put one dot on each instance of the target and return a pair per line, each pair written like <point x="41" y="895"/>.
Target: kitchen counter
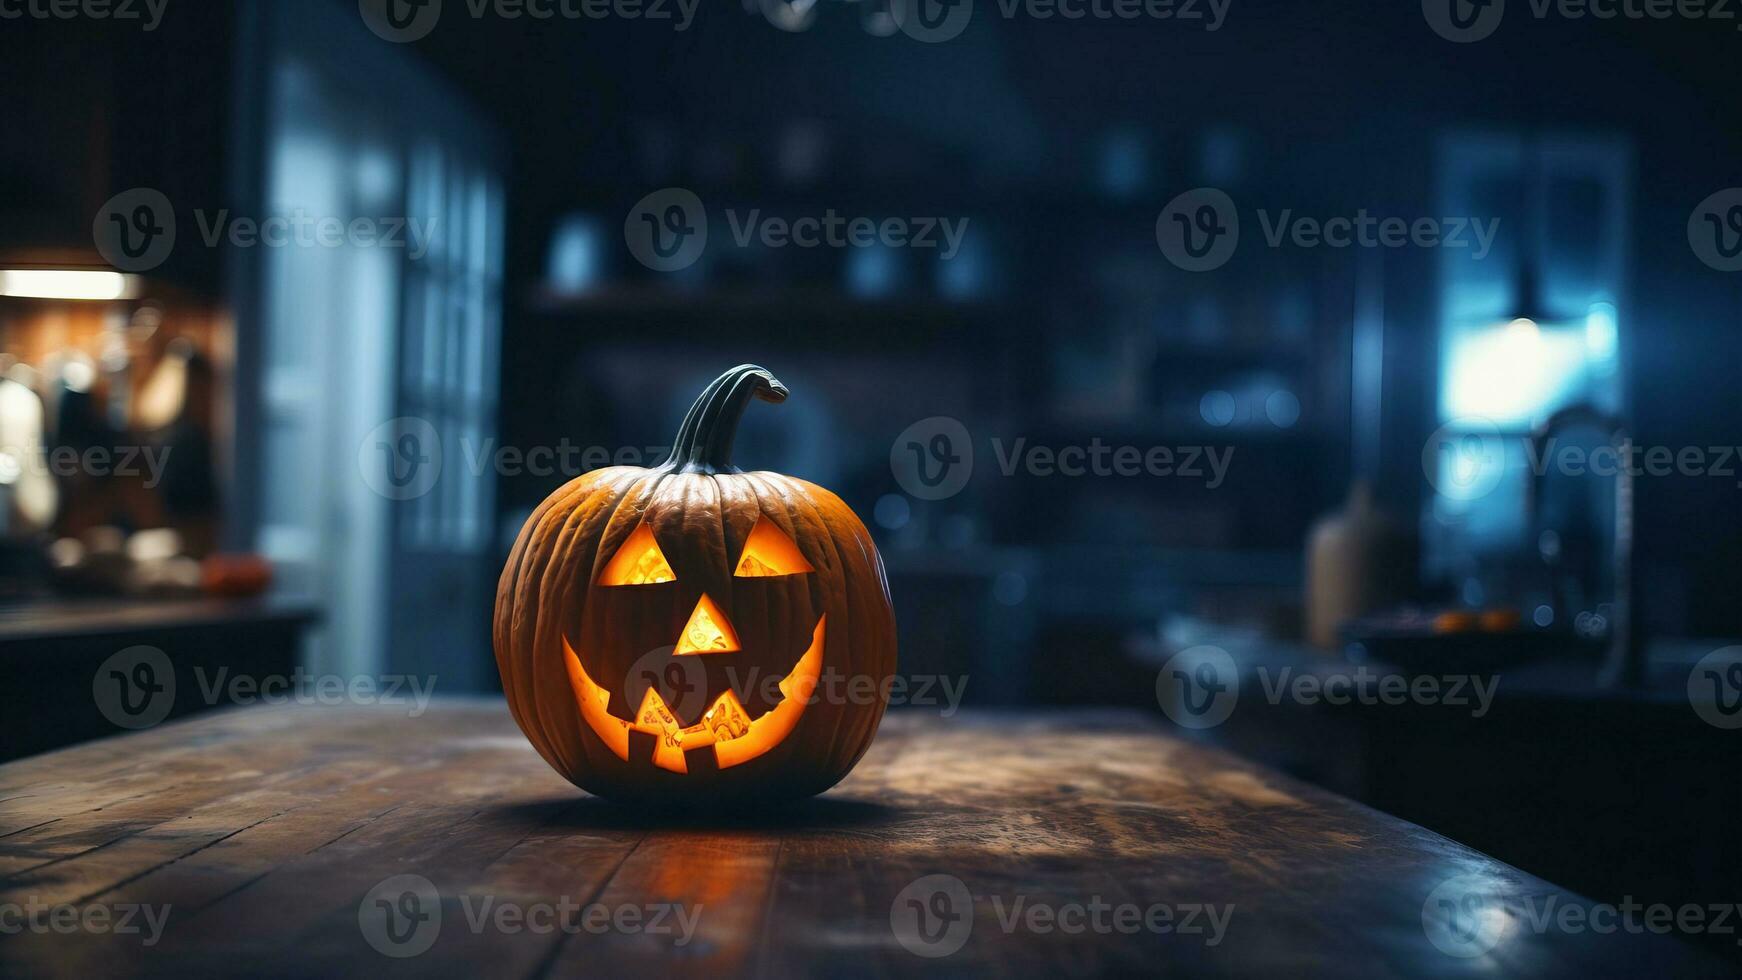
<point x="271" y="835"/>
<point x="54" y="655"/>
<point x="60" y="619"/>
<point x="1533" y="762"/>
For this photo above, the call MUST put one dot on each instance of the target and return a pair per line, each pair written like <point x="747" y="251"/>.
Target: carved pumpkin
<point x="694" y="632"/>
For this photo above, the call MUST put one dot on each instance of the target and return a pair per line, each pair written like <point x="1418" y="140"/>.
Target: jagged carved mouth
<point x="726" y="726"/>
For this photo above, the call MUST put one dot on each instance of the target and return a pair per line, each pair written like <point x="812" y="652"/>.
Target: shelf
<point x="802" y="316"/>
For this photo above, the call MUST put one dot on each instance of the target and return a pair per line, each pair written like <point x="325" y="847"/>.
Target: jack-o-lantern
<point x="693" y="632"/>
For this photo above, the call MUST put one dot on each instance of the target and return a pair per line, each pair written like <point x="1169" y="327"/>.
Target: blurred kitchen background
<point x="1378" y="509"/>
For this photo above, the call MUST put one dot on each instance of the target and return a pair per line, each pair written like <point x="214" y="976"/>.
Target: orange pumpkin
<point x="694" y="632"/>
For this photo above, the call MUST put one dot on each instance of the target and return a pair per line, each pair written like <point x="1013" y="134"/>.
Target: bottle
<point x="1359" y="561"/>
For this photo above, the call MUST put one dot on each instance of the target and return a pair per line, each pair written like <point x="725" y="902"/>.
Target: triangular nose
<point x="708" y="631"/>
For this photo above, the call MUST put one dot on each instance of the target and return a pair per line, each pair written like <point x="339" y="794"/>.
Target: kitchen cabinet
<point x="109" y="113"/>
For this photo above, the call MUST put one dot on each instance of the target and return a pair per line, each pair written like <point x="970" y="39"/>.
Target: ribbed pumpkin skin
<point x="701" y="519"/>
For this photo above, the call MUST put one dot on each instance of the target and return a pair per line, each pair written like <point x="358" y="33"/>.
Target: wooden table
<point x="268" y="833"/>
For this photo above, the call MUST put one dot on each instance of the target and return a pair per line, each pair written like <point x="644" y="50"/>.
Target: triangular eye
<point x="769" y="553"/>
<point x="638" y="562"/>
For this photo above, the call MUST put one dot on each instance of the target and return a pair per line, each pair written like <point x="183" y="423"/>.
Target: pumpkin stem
<point x="704" y="441"/>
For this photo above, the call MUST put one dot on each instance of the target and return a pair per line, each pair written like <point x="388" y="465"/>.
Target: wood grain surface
<point x="259" y="839"/>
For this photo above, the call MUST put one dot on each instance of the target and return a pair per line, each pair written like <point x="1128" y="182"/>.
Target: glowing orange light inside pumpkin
<point x="708" y="631"/>
<point x="726" y="726"/>
<point x="638" y="562"/>
<point x="770" y="552"/>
